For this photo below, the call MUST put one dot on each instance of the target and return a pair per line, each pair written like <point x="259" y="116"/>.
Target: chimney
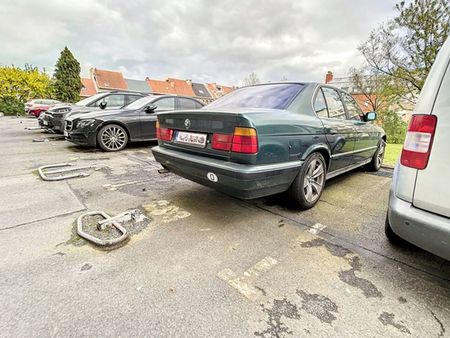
<point x="329" y="77"/>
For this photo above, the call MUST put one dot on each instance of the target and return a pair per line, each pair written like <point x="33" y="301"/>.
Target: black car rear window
<point x="273" y="96"/>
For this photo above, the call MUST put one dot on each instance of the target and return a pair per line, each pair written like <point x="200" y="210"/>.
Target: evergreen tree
<point x="67" y="83"/>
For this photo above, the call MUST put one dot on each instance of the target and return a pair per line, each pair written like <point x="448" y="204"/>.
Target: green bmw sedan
<point x="271" y="138"/>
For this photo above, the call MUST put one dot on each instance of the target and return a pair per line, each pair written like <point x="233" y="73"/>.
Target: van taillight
<point x="163" y="134"/>
<point x="244" y="140"/>
<point x="418" y="142"/>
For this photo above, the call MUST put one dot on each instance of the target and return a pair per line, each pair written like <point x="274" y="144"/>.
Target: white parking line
<point x="244" y="284"/>
<point x="317" y="228"/>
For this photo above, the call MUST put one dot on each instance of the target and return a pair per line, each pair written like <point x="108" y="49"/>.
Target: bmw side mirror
<point x="102" y="105"/>
<point x="150" y="109"/>
<point x="370" y="116"/>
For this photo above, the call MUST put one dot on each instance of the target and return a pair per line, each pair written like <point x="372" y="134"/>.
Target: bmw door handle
<point x="359" y="123"/>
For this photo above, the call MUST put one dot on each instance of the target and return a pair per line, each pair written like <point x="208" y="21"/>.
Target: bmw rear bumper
<point x="238" y="180"/>
<point x="424" y="229"/>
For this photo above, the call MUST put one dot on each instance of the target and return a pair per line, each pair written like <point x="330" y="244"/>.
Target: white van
<point x="419" y="203"/>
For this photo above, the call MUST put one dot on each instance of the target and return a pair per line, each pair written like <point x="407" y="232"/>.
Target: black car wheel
<point x="112" y="137"/>
<point x="307" y="187"/>
<point x="378" y="157"/>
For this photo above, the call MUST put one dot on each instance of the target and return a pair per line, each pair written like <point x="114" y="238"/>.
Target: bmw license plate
<point x="45" y="122"/>
<point x="66" y="133"/>
<point x="194" y="139"/>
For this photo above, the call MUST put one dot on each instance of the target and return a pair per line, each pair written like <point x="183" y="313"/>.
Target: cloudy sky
<point x="202" y="40"/>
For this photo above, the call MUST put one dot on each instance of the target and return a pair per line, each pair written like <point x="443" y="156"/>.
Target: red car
<point x="37" y="106"/>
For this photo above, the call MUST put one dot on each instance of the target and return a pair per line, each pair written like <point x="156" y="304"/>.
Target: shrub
<point x="394" y="127"/>
<point x="12" y="106"/>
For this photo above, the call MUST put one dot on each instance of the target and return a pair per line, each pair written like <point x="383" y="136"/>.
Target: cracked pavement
<point x="205" y="264"/>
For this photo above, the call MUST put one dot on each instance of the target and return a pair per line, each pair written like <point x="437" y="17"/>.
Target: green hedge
<point x="12" y="107"/>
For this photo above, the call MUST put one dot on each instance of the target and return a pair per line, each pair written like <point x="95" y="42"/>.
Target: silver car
<point x="419" y="203"/>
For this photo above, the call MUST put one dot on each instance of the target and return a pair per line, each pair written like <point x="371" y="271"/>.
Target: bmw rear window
<point x="271" y="96"/>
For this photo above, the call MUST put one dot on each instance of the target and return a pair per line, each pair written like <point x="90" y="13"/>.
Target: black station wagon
<point x="266" y="139"/>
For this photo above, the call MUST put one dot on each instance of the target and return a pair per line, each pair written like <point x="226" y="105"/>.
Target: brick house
<point x="138" y="86"/>
<point x="218" y="90"/>
<point x="345" y="83"/>
<point x="88" y="88"/>
<point x="182" y="87"/>
<point x="403" y="107"/>
<point x="160" y="87"/>
<point x="202" y="93"/>
<point x="105" y="80"/>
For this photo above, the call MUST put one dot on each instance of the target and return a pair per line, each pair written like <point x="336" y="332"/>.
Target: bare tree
<point x="372" y="85"/>
<point x="251" y="79"/>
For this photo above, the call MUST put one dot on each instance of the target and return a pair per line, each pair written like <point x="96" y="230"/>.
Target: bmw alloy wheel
<point x="313" y="182"/>
<point x="380" y="154"/>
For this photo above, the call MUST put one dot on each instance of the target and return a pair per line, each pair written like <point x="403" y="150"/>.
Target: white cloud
<point x="198" y="39"/>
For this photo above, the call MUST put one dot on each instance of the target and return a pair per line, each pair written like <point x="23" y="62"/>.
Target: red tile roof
<point x="161" y="87"/>
<point x="218" y="90"/>
<point x="182" y="87"/>
<point x="107" y="79"/>
<point x="226" y="89"/>
<point x="88" y="88"/>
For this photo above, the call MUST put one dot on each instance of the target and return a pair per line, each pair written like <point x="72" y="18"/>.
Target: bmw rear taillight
<point x="163" y="134"/>
<point x="418" y="142"/>
<point x="244" y="140"/>
<point x="222" y="142"/>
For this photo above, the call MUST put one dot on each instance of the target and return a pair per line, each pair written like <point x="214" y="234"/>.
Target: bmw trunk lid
<point x="202" y="123"/>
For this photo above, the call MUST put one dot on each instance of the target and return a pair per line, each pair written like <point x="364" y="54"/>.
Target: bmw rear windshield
<point x="270" y="96"/>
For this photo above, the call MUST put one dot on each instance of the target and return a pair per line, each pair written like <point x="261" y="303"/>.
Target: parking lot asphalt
<point x="203" y="264"/>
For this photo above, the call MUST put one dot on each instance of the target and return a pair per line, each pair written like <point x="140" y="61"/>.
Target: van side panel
<point x="432" y="191"/>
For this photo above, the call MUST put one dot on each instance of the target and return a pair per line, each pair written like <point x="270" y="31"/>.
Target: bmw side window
<point x="165" y="104"/>
<point x="319" y="105"/>
<point x="353" y="110"/>
<point x="335" y="106"/>
<point x="198" y="105"/>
